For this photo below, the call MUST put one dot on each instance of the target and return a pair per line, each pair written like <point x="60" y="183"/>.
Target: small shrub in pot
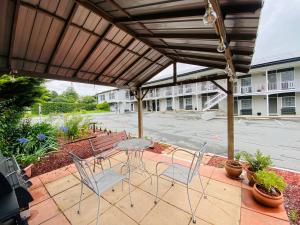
<point x="234" y="168"/>
<point x="268" y="188"/>
<point x="255" y="163"/>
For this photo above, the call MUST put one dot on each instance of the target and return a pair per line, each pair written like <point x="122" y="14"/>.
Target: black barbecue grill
<point x="14" y="196"/>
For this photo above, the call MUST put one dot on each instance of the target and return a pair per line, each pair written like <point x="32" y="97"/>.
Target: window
<point x="127" y="94"/>
<point x="288" y="101"/>
<point x="246" y="104"/>
<point x="246" y="85"/>
<point x="188" y="103"/>
<point x="246" y="81"/>
<point x="168" y="90"/>
<point x="287" y="79"/>
<point x="102" y="97"/>
<point x="188" y="88"/>
<point x="111" y="95"/>
<point x="169" y="103"/>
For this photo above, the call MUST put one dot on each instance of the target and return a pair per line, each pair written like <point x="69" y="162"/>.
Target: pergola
<point x="125" y="43"/>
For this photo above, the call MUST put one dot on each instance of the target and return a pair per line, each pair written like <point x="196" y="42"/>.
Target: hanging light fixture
<point x="221" y="46"/>
<point x="210" y="15"/>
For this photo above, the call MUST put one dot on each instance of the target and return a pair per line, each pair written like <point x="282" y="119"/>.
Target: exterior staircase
<point x="214" y="100"/>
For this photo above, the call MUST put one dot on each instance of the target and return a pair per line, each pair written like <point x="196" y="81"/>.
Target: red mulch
<point x="217" y="161"/>
<point x="61" y="158"/>
<point x="158" y="148"/>
<point x="291" y="193"/>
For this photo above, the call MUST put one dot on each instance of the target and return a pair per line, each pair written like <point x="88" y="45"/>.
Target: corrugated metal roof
<point x="118" y="42"/>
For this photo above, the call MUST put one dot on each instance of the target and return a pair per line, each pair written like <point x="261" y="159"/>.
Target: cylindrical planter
<point x="233" y="171"/>
<point x="265" y="199"/>
<point x="28" y="170"/>
<point x="250" y="176"/>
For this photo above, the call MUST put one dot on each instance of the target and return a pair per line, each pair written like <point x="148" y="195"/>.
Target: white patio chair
<point x="102" y="181"/>
<point x="184" y="174"/>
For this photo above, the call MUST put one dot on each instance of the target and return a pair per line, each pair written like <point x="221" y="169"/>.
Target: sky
<point x="278" y="38"/>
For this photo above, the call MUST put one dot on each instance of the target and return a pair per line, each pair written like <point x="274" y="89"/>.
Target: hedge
<point x="62" y="107"/>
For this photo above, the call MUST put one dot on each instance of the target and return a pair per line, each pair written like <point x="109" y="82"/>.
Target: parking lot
<point x="278" y="138"/>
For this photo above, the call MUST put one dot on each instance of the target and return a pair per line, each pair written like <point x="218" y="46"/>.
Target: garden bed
<point x="291" y="193"/>
<point x="82" y="148"/>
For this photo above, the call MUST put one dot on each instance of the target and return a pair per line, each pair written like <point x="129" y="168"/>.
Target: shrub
<point x="258" y="161"/>
<point x="270" y="181"/>
<point x="103" y="106"/>
<point x="75" y="127"/>
<point x="32" y="141"/>
<point x="62" y="107"/>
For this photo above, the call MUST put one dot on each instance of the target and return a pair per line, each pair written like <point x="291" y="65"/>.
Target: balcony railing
<point x="246" y="89"/>
<point x="284" y="85"/>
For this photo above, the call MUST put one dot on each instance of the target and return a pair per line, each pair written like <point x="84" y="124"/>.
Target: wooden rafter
<point x="131" y="65"/>
<point x="207" y="48"/>
<point x="143" y="70"/>
<point x="188" y="81"/>
<point x="94" y="8"/>
<point x="219" y="86"/>
<point x="238" y="7"/>
<point x="157" y="72"/>
<point x="209" y="36"/>
<point x="13" y="34"/>
<point x="221" y="31"/>
<point x="62" y="35"/>
<point x="92" y="50"/>
<point x="115" y="58"/>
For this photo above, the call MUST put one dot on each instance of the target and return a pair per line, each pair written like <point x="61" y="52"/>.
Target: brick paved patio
<point x="229" y="202"/>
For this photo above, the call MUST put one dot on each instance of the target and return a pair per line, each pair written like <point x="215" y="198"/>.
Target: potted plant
<point x="268" y="188"/>
<point x="255" y="163"/>
<point x="233" y="167"/>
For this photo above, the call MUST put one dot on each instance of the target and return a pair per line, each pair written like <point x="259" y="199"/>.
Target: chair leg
<point x="155" y="201"/>
<point x="193" y="213"/>
<point x="98" y="211"/>
<point x="129" y="185"/>
<point x="203" y="191"/>
<point x="94" y="167"/>
<point x="80" y="198"/>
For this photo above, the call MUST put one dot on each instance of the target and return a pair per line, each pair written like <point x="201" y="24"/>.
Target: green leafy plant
<point x="238" y="156"/>
<point x="103" y="106"/>
<point x="293" y="215"/>
<point x="270" y="181"/>
<point x="75" y="127"/>
<point x="258" y="161"/>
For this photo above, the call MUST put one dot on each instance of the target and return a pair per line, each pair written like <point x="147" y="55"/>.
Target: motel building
<point x="269" y="89"/>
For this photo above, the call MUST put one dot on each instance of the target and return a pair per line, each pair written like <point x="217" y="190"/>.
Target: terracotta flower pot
<point x="233" y="169"/>
<point x="265" y="199"/>
<point x="250" y="175"/>
<point x="28" y="170"/>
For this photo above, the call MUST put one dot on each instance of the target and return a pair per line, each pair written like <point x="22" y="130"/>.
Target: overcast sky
<point x="278" y="38"/>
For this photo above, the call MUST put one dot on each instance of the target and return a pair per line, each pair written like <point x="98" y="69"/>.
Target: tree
<point x="71" y="95"/>
<point x="16" y="94"/>
<point x="88" y="100"/>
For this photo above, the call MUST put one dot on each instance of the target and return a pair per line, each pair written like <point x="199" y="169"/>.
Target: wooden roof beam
<point x="143" y="70"/>
<point x="221" y="31"/>
<point x="62" y="35"/>
<point x="13" y="34"/>
<point x="188" y="81"/>
<point x="232" y="37"/>
<point x="115" y="58"/>
<point x="236" y="7"/>
<point x="92" y="50"/>
<point x="131" y="65"/>
<point x="212" y="49"/>
<point x="209" y="57"/>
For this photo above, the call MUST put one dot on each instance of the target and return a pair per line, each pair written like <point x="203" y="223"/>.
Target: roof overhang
<point x="122" y="43"/>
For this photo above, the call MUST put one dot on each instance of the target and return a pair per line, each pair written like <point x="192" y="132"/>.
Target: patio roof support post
<point x="174" y="73"/>
<point x="230" y="120"/>
<point x="140" y="112"/>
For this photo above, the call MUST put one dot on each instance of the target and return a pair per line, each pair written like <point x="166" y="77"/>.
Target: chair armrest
<point x="160" y="163"/>
<point x="181" y="150"/>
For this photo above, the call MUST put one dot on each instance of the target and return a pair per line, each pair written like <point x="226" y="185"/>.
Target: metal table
<point x="136" y="147"/>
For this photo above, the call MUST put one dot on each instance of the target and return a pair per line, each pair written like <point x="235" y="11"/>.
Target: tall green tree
<point x="71" y="95"/>
<point x="16" y="94"/>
